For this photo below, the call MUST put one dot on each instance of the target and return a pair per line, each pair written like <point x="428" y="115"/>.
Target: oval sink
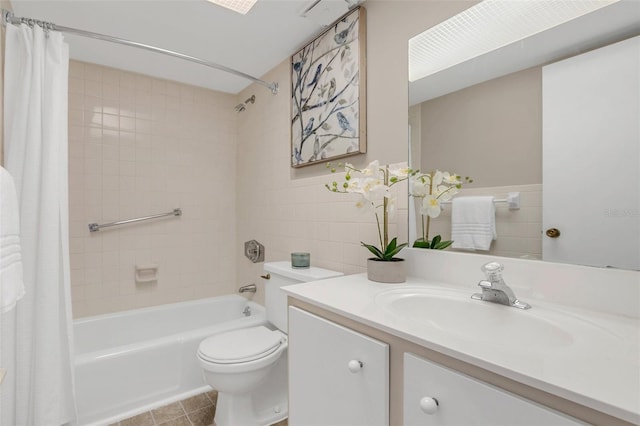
<point x="455" y="313"/>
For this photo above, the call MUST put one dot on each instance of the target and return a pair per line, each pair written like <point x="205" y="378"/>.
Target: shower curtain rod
<point x="9" y="18"/>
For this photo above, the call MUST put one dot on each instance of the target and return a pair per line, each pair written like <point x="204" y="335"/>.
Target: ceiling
<point x="609" y="24"/>
<point x="254" y="43"/>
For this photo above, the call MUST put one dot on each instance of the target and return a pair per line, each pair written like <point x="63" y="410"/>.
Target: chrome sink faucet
<point x="495" y="290"/>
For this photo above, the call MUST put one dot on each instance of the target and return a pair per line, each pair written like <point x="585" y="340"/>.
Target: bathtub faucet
<point x="251" y="288"/>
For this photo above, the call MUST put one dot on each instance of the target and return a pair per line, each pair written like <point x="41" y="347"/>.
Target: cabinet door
<point x="327" y="383"/>
<point x="463" y="400"/>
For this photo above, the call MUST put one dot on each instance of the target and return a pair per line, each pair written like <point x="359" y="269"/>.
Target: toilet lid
<point x="243" y="345"/>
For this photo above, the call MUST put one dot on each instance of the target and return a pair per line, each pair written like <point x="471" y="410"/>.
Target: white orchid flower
<point x="355" y="185"/>
<point x="438" y="177"/>
<point x="430" y="206"/>
<point x="373" y="169"/>
<point x="450" y="179"/>
<point x="375" y="188"/>
<point x="419" y="185"/>
<point x="417" y="188"/>
<point x="364" y="206"/>
<point x="372" y="185"/>
<point x="399" y="170"/>
<point x="371" y="189"/>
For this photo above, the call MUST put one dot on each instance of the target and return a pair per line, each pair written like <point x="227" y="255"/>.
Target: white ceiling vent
<point x="325" y="12"/>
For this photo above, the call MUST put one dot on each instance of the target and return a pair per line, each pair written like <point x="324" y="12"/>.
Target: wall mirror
<point x="500" y="118"/>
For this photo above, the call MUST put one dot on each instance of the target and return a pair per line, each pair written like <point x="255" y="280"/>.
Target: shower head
<point x="241" y="107"/>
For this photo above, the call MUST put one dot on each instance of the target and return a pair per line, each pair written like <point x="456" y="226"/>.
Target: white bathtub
<point x="130" y="362"/>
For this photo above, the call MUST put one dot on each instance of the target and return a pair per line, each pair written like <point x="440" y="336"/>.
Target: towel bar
<point x="513" y="200"/>
<point x="93" y="227"/>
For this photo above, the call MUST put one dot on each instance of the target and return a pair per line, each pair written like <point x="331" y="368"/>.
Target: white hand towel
<point x="473" y="222"/>
<point x="11" y="282"/>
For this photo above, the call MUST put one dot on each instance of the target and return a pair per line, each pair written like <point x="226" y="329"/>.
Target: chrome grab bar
<point x="93" y="227"/>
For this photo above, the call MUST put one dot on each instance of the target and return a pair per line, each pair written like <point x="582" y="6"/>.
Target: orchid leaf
<point x="373" y="249"/>
<point x="391" y="246"/>
<point x="390" y="251"/>
<point x="436" y="244"/>
<point x="421" y="243"/>
<point x="443" y="245"/>
<point x="390" y="254"/>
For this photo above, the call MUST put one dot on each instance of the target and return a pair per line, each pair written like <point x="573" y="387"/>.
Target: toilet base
<point x="240" y="410"/>
<point x="264" y="406"/>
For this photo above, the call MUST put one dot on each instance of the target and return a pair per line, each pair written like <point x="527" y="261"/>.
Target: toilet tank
<point x="283" y="274"/>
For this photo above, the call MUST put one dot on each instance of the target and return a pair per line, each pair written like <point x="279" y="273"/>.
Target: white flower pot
<point x="393" y="271"/>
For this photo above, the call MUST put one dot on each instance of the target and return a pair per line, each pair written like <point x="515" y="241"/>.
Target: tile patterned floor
<point x="198" y="410"/>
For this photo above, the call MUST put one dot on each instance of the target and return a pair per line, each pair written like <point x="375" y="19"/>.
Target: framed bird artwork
<point x="328" y="93"/>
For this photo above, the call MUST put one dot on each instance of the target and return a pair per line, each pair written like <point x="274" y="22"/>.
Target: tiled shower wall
<point x="141" y="146"/>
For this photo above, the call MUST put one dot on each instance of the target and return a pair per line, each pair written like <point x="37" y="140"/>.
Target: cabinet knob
<point x="355" y="365"/>
<point x="429" y="405"/>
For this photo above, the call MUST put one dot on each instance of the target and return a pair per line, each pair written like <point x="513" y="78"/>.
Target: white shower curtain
<point x="36" y="337"/>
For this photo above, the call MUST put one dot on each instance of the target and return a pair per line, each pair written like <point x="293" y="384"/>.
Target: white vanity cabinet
<point x="336" y="376"/>
<point x="463" y="400"/>
<point x="591" y="377"/>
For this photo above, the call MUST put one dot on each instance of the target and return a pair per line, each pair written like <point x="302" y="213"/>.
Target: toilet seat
<point x="241" y="346"/>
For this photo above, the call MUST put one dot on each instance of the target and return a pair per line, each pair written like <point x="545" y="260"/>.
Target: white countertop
<point x="600" y="370"/>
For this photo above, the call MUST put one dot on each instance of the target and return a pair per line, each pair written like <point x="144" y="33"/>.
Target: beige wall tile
<point x="123" y="164"/>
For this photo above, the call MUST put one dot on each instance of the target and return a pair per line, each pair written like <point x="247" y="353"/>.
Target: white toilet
<point x="248" y="366"/>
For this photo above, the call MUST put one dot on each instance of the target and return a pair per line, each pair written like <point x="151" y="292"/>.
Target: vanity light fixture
<point x="487" y="26"/>
<point x="240" y="6"/>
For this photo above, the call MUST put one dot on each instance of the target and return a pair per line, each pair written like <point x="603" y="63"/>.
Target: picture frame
<point x="328" y="93"/>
